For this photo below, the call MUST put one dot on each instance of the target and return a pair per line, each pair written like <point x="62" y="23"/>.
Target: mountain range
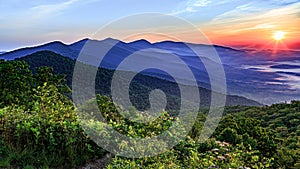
<point x="262" y="75"/>
<point x="140" y="86"/>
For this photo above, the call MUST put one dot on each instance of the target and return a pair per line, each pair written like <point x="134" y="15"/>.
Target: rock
<point x="221" y="158"/>
<point x="215" y="150"/>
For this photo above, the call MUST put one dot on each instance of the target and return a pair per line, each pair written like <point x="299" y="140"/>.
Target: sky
<point x="236" y="23"/>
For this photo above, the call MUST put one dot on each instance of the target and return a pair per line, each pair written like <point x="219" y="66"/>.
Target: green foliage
<point x="44" y="130"/>
<point x="92" y="123"/>
<point x="16" y="80"/>
<point x="40" y="129"/>
<point x="18" y="83"/>
<point x="188" y="154"/>
<point x="236" y="129"/>
<point x="130" y="128"/>
<point x="285" y="120"/>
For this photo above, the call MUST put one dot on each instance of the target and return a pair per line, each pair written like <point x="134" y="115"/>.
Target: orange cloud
<point x="256" y="29"/>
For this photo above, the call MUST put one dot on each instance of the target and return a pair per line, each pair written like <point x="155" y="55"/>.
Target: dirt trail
<point x="98" y="164"/>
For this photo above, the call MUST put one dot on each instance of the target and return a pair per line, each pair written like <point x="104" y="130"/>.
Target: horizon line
<point x="238" y="47"/>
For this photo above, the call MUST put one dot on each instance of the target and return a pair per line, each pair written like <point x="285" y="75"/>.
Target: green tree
<point x="16" y="80"/>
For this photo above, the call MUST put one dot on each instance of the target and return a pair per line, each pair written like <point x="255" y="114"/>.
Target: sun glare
<point x="278" y="35"/>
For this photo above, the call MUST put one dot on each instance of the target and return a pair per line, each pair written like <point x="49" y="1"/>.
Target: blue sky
<point x="27" y="23"/>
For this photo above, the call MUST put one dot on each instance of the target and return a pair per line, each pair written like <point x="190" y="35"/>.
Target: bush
<point x="38" y="123"/>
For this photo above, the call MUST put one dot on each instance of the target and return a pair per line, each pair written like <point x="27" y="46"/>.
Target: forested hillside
<point x="140" y="86"/>
<point x="39" y="128"/>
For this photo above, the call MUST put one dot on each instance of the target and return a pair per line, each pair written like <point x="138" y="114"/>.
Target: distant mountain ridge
<point x="247" y="71"/>
<point x="72" y="50"/>
<point x="56" y="46"/>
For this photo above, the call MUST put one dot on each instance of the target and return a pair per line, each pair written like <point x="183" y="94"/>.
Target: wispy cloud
<point x="36" y="14"/>
<point x="270" y="25"/>
<point x="191" y="6"/>
<point x="284" y="2"/>
<point x="45" y="10"/>
<point x="240" y="15"/>
<point x="200" y="3"/>
<point x="256" y="22"/>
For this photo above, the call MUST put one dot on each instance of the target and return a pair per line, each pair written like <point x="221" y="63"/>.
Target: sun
<point x="278" y="35"/>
